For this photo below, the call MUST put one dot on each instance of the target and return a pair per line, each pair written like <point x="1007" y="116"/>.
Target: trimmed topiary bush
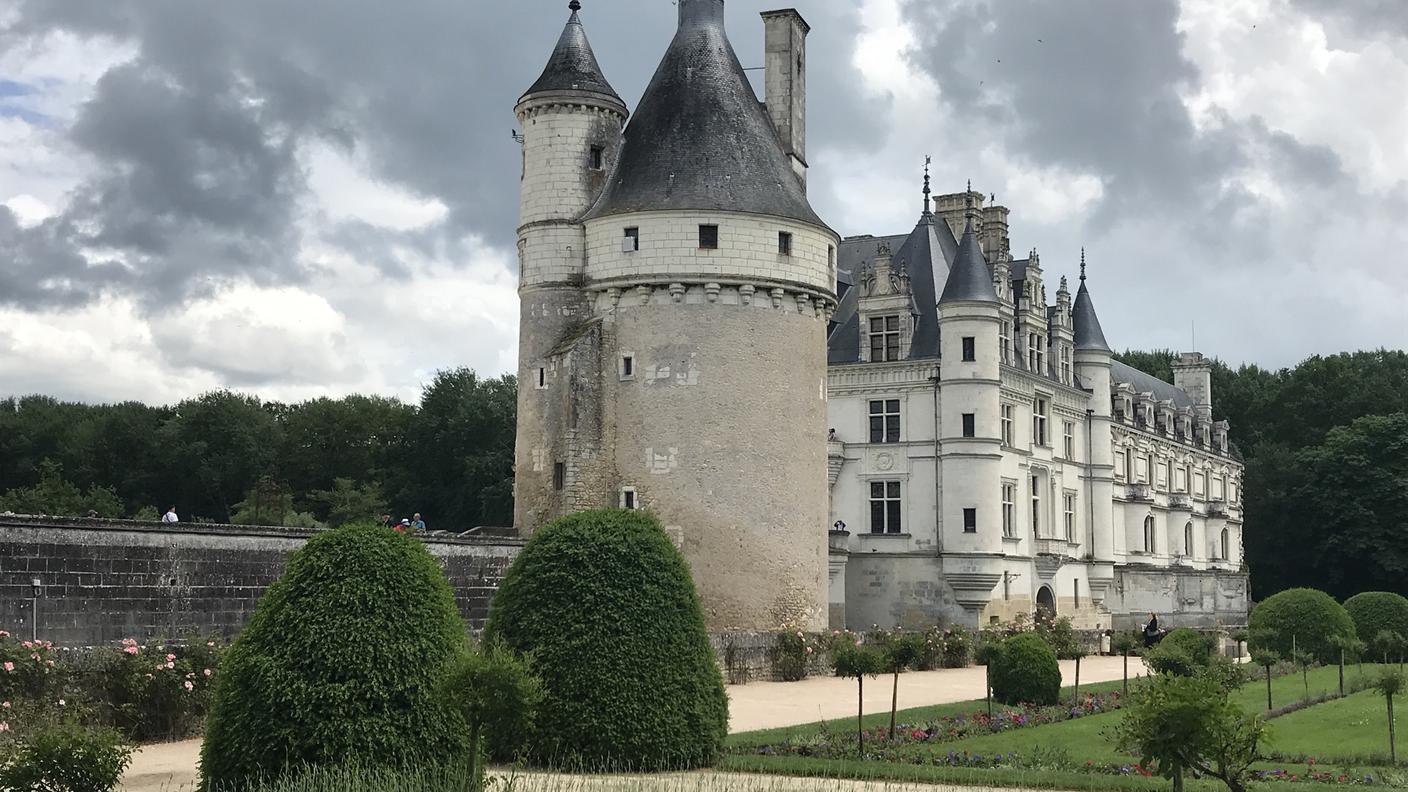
<point x="1024" y="671"/>
<point x="1181" y="653"/>
<point x="342" y="662"/>
<point x="606" y="607"/>
<point x="1374" y="612"/>
<point x="1300" y="619"/>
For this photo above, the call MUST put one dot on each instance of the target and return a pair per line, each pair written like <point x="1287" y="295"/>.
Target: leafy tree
<point x="1267" y="659"/>
<point x="219" y="445"/>
<point x="497" y="693"/>
<point x="1123" y="643"/>
<point x="1180" y="723"/>
<point x="349" y="502"/>
<point x="359" y="438"/>
<point x="53" y="495"/>
<point x="858" y="661"/>
<point x="1300" y="619"/>
<point x="1390" y="684"/>
<point x="901" y="650"/>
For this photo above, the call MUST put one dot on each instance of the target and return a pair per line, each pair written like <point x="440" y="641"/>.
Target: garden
<point x="356" y="672"/>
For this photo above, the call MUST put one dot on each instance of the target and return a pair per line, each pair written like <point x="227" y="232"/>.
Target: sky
<point x="320" y="198"/>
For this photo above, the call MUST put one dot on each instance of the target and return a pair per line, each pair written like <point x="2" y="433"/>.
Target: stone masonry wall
<point x="104" y="580"/>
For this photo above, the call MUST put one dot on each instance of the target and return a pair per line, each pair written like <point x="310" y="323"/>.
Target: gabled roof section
<point x="700" y="139"/>
<point x="1088" y="334"/>
<point x="573" y="66"/>
<point x="969" y="280"/>
<point x="1148" y="383"/>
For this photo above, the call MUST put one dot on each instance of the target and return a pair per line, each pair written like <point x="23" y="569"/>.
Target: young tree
<point x="901" y="650"/>
<point x="1077" y="651"/>
<point x="858" y="661"/>
<point x="1124" y="643"/>
<point x="1345" y="645"/>
<point x="1266" y="659"/>
<point x="497" y="693"/>
<point x="1304" y="660"/>
<point x="1179" y="723"/>
<point x="1390" y="683"/>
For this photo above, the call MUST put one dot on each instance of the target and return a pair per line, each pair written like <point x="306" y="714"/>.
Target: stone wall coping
<point x="216" y="529"/>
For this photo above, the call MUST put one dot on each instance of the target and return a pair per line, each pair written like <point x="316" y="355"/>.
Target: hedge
<point x="605" y="605"/>
<point x="1304" y="619"/>
<point x="341" y="663"/>
<point x="1024" y="671"/>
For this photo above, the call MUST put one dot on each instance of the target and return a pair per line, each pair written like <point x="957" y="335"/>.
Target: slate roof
<point x="926" y="254"/>
<point x="1142" y="383"/>
<point x="700" y="139"/>
<point x="1087" y="325"/>
<point x="573" y="66"/>
<point x="970" y="279"/>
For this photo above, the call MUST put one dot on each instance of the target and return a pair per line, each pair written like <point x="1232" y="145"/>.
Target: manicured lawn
<point x="1290" y="688"/>
<point x="1351" y="730"/>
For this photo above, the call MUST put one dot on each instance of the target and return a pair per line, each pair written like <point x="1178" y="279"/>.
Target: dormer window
<point x="884" y="338"/>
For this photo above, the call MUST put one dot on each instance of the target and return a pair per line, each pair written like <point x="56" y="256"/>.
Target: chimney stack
<point x="785" y="50"/>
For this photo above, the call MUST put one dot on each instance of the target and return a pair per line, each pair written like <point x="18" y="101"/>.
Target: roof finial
<point x="926" y="183"/>
<point x="574" y="5"/>
<point x="1082" y="264"/>
<point x="969" y="214"/>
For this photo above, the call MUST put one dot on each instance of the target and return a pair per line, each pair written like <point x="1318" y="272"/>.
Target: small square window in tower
<point x="559" y="476"/>
<point x="628" y="367"/>
<point x="628" y="498"/>
<point x="970" y="521"/>
<point x="630" y="243"/>
<point x="784" y="243"/>
<point x="970" y="349"/>
<point x="708" y="237"/>
<point x="542" y="378"/>
<point x="597" y="158"/>
<point x="969" y="425"/>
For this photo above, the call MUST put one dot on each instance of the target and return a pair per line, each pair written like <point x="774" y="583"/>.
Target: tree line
<point x="1325" y="444"/>
<point x="225" y="456"/>
<point x="1326" y="450"/>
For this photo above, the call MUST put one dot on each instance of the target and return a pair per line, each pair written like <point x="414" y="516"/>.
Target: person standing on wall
<point x="170" y="516"/>
<point x="417" y="524"/>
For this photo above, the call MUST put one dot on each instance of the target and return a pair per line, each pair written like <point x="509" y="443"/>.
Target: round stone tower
<point x="714" y="280"/>
<point x="970" y="320"/>
<point x="571" y="121"/>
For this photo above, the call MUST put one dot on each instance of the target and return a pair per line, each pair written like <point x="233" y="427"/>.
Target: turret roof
<point x="969" y="280"/>
<point x="700" y="139"/>
<point x="573" y="66"/>
<point x="1088" y="335"/>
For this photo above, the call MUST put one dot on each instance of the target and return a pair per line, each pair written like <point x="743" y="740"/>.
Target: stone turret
<point x="1093" y="357"/>
<point x="970" y="434"/>
<point x="571" y="120"/>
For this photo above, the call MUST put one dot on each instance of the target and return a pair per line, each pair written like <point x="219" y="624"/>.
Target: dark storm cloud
<point x="196" y="140"/>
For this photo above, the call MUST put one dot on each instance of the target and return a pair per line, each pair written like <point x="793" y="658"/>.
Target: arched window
<point x="1188" y="539"/>
<point x="1149" y="534"/>
<point x="1226" y="545"/>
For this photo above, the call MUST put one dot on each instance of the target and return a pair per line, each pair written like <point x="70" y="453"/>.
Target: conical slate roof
<point x="1087" y="324"/>
<point x="969" y="279"/>
<point x="573" y="65"/>
<point x="699" y="138"/>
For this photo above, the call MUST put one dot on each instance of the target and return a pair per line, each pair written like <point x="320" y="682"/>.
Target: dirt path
<point x="171" y="767"/>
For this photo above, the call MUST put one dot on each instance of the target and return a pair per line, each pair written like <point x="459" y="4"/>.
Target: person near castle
<point x="170" y="516"/>
<point x="417" y="524"/>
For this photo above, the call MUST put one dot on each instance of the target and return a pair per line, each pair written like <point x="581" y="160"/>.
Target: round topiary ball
<point x="1375" y="612"/>
<point x="1024" y="671"/>
<point x="1307" y="620"/>
<point x="605" y="605"/>
<point x="1181" y="653"/>
<point x="340" y="663"/>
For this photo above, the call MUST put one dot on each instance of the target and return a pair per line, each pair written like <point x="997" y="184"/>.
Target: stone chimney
<point x="1192" y="373"/>
<point x="785" y="64"/>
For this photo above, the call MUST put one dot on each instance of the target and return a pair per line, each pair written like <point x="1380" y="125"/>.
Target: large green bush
<point x="605" y="605"/>
<point x="1301" y="619"/>
<point x="341" y="662"/>
<point x="65" y="757"/>
<point x="1024" y="670"/>
<point x="1181" y="653"/>
<point x="1374" y="612"/>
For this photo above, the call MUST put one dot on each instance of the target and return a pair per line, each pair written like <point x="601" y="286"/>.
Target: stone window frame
<point x="1068" y="439"/>
<point x="970" y="519"/>
<point x="1150" y="528"/>
<point x="542" y="383"/>
<point x="887" y="427"/>
<point x="891" y="330"/>
<point x="708" y="236"/>
<point x="631" y="233"/>
<point x="626" y="366"/>
<point x="969" y="348"/>
<point x="1190" y="548"/>
<point x="630" y="498"/>
<point x="970" y="424"/>
<point x="888" y="494"/>
<point x="1041" y="420"/>
<point x="559" y="476"/>
<point x="1009" y="508"/>
<point x="1034" y="478"/>
<point x="784" y="243"/>
<point x="1069" y="502"/>
<point x="1007" y="418"/>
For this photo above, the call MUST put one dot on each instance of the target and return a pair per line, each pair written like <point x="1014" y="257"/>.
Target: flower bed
<point x="840" y="744"/>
